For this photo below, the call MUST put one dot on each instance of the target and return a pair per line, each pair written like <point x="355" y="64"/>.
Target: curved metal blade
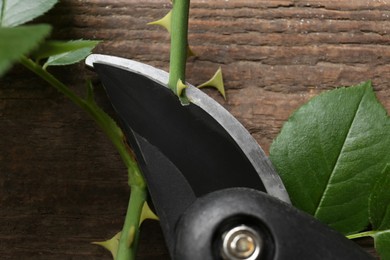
<point x="254" y="153"/>
<point x="185" y="152"/>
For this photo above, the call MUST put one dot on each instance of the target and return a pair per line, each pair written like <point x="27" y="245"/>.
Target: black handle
<point x="242" y="223"/>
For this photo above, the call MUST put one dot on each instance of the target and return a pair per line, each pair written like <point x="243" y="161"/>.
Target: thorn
<point x="164" y="22"/>
<point x="216" y="82"/>
<point x="190" y="52"/>
<point x="130" y="236"/>
<point x="111" y="244"/>
<point x="147" y="213"/>
<point x="180" y="87"/>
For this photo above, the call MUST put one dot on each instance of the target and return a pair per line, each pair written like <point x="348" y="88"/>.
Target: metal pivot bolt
<point x="241" y="243"/>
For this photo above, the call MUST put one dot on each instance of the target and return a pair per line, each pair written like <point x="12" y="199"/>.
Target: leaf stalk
<point x="362" y="234"/>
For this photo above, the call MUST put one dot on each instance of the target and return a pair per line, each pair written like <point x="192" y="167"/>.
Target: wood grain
<point x="62" y="185"/>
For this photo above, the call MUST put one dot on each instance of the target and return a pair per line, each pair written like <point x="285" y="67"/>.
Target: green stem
<point x="362" y="234"/>
<point x="38" y="70"/>
<point x="115" y="134"/>
<point x="130" y="232"/>
<point x="105" y="122"/>
<point x="179" y="43"/>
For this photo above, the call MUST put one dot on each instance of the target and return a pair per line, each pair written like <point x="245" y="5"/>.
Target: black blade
<point x="200" y="153"/>
<point x="165" y="182"/>
<point x="248" y="145"/>
<point x="191" y="139"/>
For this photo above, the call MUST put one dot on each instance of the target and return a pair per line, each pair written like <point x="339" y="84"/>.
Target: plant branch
<point x="130" y="233"/>
<point x="179" y="43"/>
<point x="104" y="121"/>
<point x="128" y="242"/>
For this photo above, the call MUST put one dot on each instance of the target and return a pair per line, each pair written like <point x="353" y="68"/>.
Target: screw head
<point x="241" y="243"/>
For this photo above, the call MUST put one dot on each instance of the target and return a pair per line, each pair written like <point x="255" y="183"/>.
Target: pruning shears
<point x="215" y="191"/>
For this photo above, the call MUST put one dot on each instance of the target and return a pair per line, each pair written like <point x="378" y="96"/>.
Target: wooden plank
<point x="62" y="185"/>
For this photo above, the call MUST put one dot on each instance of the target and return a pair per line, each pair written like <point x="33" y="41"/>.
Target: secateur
<point x="215" y="191"/>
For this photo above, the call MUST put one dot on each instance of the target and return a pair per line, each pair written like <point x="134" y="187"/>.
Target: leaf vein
<point x="334" y="168"/>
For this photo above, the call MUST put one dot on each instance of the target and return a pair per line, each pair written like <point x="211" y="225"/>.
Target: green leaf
<point x="1" y="10"/>
<point x="382" y="244"/>
<point x="379" y="211"/>
<point x="68" y="58"/>
<point x="19" y="41"/>
<point x="16" y="12"/>
<point x="51" y="48"/>
<point x="330" y="153"/>
<point x="379" y="202"/>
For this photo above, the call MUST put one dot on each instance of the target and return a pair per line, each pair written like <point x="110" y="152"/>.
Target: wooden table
<point x="62" y="184"/>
